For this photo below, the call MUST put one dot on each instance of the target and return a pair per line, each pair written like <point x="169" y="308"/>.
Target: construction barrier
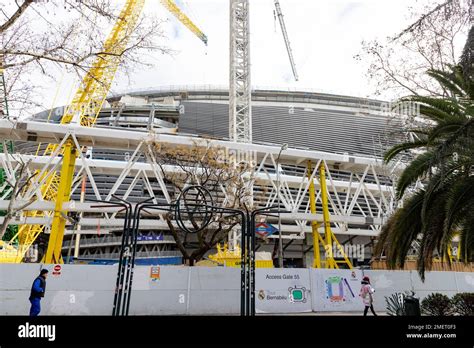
<point x="284" y="290"/>
<point x="163" y="292"/>
<point x="410" y="265"/>
<point x="72" y="290"/>
<point x="214" y="291"/>
<point x="179" y="290"/>
<point x="336" y="290"/>
<point x="390" y="282"/>
<point x="387" y="283"/>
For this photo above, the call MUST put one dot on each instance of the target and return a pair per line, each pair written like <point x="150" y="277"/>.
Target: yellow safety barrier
<point x="233" y="258"/>
<point x="8" y="253"/>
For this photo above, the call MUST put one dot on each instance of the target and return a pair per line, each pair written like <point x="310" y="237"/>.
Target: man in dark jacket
<point x="37" y="292"/>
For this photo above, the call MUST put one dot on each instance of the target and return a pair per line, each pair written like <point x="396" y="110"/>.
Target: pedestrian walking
<point x="37" y="292"/>
<point x="367" y="294"/>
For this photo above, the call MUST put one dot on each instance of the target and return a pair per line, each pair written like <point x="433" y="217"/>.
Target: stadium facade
<point x="308" y="121"/>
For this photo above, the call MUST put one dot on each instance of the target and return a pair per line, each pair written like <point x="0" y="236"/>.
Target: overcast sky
<point x="325" y="35"/>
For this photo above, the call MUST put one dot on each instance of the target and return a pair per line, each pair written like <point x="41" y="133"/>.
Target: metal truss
<point x="240" y="111"/>
<point x="360" y="190"/>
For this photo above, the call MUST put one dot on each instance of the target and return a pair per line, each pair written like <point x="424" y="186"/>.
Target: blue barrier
<point x="172" y="260"/>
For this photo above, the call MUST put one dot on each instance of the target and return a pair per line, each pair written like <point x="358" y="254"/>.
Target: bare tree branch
<point x="10" y="21"/>
<point x="22" y="179"/>
<point x="398" y="65"/>
<point x="422" y="19"/>
<point x="226" y="180"/>
<point x="35" y="49"/>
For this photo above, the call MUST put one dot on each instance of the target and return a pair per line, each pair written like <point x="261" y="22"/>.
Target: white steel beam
<point x="73" y="206"/>
<point x="357" y="197"/>
<point x="292" y="231"/>
<point x="112" y="167"/>
<point x="126" y="140"/>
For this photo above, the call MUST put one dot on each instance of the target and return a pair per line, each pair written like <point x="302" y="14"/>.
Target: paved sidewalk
<point x="361" y="313"/>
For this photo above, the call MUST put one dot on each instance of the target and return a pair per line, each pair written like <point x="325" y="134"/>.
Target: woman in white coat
<point x="366" y="292"/>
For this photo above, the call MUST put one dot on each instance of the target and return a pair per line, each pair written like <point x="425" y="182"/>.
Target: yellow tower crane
<point x="171" y="6"/>
<point x="84" y="108"/>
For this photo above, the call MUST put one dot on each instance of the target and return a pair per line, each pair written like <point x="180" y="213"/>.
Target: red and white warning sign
<point x="57" y="270"/>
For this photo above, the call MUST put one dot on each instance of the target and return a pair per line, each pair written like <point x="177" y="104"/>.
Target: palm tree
<point x="432" y="216"/>
<point x="467" y="57"/>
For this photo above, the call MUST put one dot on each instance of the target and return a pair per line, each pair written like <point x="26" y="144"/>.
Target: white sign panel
<point x="282" y="290"/>
<point x="336" y="290"/>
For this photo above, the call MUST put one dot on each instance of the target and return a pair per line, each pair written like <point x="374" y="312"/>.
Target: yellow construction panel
<point x="233" y="258"/>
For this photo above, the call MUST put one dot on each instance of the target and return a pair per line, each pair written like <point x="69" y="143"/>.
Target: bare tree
<point x="38" y="37"/>
<point x="16" y="185"/>
<point x="227" y="180"/>
<point x="435" y="40"/>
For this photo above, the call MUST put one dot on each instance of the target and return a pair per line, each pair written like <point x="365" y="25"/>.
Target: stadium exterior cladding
<point x="306" y="120"/>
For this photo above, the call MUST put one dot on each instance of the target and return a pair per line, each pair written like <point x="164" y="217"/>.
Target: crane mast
<point x="285" y="37"/>
<point x="240" y="111"/>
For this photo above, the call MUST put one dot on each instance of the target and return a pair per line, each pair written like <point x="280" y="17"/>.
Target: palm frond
<point x="445" y="207"/>
<point x="446" y="128"/>
<point x="432" y="234"/>
<point x="434" y="108"/>
<point x="467" y="58"/>
<point x="459" y="202"/>
<point x="449" y="81"/>
<point x="419" y="167"/>
<point x="466" y="238"/>
<point x="400" y="231"/>
<point x="397" y="149"/>
<point x="442" y="181"/>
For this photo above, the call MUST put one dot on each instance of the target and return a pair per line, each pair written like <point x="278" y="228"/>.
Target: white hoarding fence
<point x="89" y="290"/>
<point x="336" y="290"/>
<point x="282" y="290"/>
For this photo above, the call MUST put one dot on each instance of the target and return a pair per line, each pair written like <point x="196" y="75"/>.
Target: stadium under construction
<point x="347" y="135"/>
<point x="208" y="199"/>
<point x="316" y="157"/>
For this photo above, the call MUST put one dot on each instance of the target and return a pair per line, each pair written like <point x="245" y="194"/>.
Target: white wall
<point x="274" y="288"/>
<point x="389" y="282"/>
<point x="89" y="289"/>
<point x="336" y="290"/>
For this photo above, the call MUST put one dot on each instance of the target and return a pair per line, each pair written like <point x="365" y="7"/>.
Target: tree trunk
<point x="275" y="249"/>
<point x="198" y="254"/>
<point x="178" y="240"/>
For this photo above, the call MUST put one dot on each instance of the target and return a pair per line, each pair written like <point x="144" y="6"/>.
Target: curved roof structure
<point x="311" y="120"/>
